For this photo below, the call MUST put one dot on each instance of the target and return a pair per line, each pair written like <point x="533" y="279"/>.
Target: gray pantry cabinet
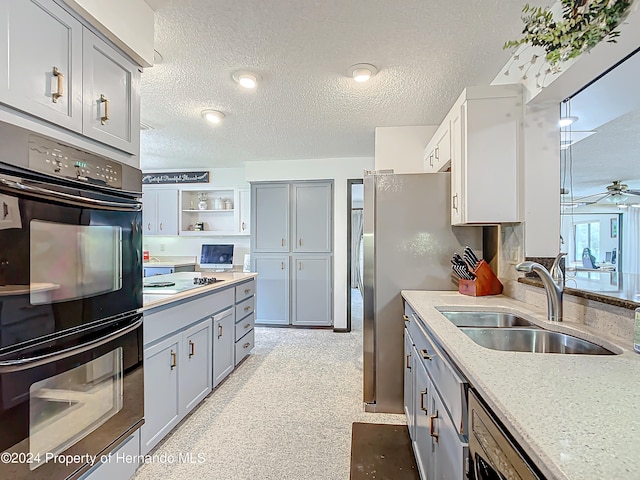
<point x="60" y="71"/>
<point x="291" y="249"/>
<point x="435" y="402"/>
<point x="160" y="211"/>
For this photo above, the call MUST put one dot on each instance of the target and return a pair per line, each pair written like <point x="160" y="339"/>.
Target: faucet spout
<point x="554" y="287"/>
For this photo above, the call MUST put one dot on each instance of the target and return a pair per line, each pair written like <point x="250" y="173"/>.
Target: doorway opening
<point x="355" y="286"/>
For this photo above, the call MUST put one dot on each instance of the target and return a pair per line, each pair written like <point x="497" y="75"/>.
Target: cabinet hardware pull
<point x="431" y="426"/>
<point x="246" y="345"/>
<point x="282" y="242"/>
<point x="455" y="202"/>
<point x="105" y="100"/>
<point x="425" y="355"/>
<point x="281" y="265"/>
<point x="57" y="73"/>
<point x="192" y="349"/>
<point x="243" y="226"/>
<point x="300" y="242"/>
<point x="160" y="225"/>
<point x="406" y="319"/>
<point x="299" y="265"/>
<point x="437" y="153"/>
<point x="247" y="325"/>
<point x="431" y="160"/>
<point x="149" y="226"/>
<point x="247" y="290"/>
<point x="219" y="331"/>
<point x="247" y="308"/>
<point x="5" y="211"/>
<point x="174" y="360"/>
<point x="407" y="361"/>
<point x="422" y="395"/>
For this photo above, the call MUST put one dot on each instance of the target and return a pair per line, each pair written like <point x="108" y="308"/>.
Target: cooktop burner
<point x="204" y="280"/>
<point x="158" y="284"/>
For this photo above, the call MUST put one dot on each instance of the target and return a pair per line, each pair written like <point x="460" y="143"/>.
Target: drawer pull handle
<point x="160" y="225"/>
<point x="431" y="426"/>
<point x="174" y="360"/>
<point x="57" y="73"/>
<point x="425" y="355"/>
<point x="455" y="202"/>
<point x="282" y="242"/>
<point x="300" y="242"/>
<point x="219" y="331"/>
<point x="247" y="308"/>
<point x="281" y="265"/>
<point x="406" y="319"/>
<point x="406" y="363"/>
<point x="105" y="100"/>
<point x="422" y="395"/>
<point x="192" y="349"/>
<point x="243" y="226"/>
<point x="148" y="226"/>
<point x="246" y="345"/>
<point x="247" y="325"/>
<point x="247" y="290"/>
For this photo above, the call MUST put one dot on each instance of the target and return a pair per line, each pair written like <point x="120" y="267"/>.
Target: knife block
<point x="485" y="283"/>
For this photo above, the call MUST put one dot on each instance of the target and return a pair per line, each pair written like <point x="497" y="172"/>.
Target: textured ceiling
<point x="306" y="107"/>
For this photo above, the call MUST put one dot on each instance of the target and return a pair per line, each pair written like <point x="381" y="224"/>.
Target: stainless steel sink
<point x="486" y="319"/>
<point x="534" y="340"/>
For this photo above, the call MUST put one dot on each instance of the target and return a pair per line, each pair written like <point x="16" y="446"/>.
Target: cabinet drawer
<point x="245" y="290"/>
<point x="244" y="308"/>
<point x="244" y="346"/>
<point x="244" y="326"/>
<point x="447" y="381"/>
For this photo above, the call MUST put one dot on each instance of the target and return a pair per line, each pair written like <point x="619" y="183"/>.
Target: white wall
<point x="127" y="23"/>
<point x="339" y="170"/>
<point x="402" y="148"/>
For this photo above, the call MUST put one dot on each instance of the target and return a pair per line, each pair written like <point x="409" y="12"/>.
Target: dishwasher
<point x="493" y="455"/>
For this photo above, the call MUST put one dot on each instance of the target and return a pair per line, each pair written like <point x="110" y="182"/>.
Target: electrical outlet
<point x="162" y="247"/>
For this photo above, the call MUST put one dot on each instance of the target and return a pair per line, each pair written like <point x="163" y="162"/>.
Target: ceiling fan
<point x="617" y="194"/>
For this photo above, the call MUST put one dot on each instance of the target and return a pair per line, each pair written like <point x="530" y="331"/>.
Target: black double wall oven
<point x="71" y="372"/>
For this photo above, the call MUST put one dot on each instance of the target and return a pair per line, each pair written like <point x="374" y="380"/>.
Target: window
<point x="586" y="235"/>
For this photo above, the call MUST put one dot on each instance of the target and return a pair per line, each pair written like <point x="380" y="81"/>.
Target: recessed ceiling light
<point x="213" y="116"/>
<point x="566" y="121"/>
<point x="361" y="72"/>
<point x="247" y="79"/>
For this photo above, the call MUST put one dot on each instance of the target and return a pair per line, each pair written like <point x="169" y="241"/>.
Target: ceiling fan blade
<point x="593" y="198"/>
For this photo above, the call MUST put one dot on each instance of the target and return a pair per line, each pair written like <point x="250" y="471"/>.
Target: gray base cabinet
<point x="435" y="403"/>
<point x="196" y="367"/>
<point x="311" y="285"/>
<point x="245" y="320"/>
<point x="272" y="305"/>
<point x="223" y="345"/>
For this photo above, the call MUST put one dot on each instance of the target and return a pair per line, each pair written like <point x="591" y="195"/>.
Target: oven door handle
<point x="17" y="187"/>
<point x="10" y="366"/>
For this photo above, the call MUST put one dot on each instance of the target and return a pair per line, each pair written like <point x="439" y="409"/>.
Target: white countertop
<point x="169" y="262"/>
<point x="577" y="416"/>
<point x="156" y="300"/>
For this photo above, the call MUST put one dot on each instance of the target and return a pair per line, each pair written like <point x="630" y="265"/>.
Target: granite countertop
<point x="576" y="416"/>
<point x="155" y="300"/>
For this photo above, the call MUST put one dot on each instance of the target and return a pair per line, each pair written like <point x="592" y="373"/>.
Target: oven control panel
<point x="53" y="158"/>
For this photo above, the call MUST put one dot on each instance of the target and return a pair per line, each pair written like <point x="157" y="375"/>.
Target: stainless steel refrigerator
<point x="408" y="245"/>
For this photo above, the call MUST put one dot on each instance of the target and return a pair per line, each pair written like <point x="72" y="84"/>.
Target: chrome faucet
<point x="553" y="282"/>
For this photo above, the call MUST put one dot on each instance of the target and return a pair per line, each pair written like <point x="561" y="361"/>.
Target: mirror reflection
<point x="600" y="184"/>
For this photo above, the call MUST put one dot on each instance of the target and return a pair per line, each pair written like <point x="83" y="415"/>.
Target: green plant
<point x="584" y="24"/>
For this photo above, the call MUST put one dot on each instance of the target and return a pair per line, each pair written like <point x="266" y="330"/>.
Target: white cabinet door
<point x="312" y="215"/>
<point x="223" y="345"/>
<point x="272" y="305"/>
<point x="437" y="156"/>
<point x="457" y="163"/>
<point x="195" y="374"/>
<point x="450" y="455"/>
<point x="160" y="211"/>
<point x="41" y="59"/>
<point x="312" y="293"/>
<point x="111" y="93"/>
<point x="161" y="391"/>
<point x="243" y="207"/>
<point x="270" y="211"/>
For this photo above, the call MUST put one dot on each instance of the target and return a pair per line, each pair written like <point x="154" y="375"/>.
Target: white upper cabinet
<point x="481" y="142"/>
<point x="160" y="211"/>
<point x="41" y="54"/>
<point x="111" y="91"/>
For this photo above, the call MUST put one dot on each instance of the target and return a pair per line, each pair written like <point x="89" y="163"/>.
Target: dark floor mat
<point x="381" y="452"/>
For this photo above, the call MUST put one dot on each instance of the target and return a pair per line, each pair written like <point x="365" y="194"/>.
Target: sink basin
<point x="486" y="319"/>
<point x="534" y="340"/>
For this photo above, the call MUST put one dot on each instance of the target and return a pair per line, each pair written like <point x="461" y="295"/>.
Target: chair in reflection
<point x="588" y="260"/>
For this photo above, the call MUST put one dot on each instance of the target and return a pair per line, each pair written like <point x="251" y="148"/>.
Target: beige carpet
<point x="285" y="413"/>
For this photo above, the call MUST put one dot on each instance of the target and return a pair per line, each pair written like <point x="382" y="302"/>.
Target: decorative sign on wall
<point x="175" y="177"/>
